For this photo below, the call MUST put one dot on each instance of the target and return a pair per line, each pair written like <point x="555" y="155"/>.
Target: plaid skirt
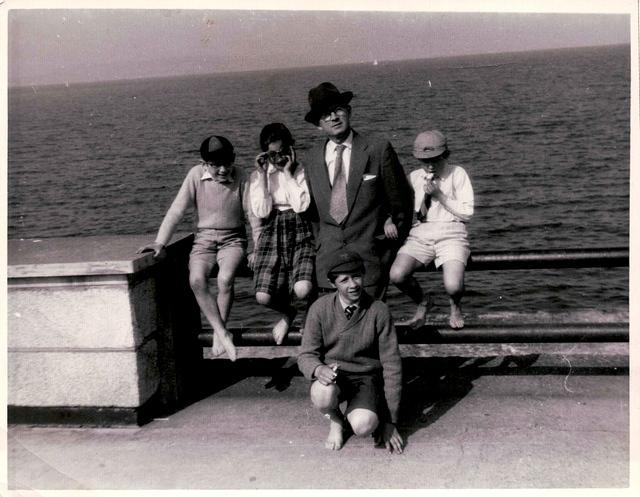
<point x="285" y="253"/>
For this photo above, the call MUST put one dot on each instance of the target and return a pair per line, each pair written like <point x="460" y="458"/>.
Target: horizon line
<point x="313" y="66"/>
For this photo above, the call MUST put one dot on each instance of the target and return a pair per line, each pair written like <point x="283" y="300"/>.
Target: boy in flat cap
<point x="350" y="352"/>
<point x="360" y="196"/>
<point x="217" y="191"/>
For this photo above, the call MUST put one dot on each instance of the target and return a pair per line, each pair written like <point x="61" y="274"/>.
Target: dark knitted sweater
<point x="366" y="343"/>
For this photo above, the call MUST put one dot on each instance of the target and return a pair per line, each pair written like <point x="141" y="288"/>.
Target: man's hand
<point x="326" y="374"/>
<point x="390" y="229"/>
<point x="391" y="438"/>
<point x="251" y="259"/>
<point x="157" y="249"/>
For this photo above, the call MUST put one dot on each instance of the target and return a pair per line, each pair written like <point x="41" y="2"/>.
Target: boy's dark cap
<point x="324" y="98"/>
<point x="216" y="149"/>
<point x="345" y="262"/>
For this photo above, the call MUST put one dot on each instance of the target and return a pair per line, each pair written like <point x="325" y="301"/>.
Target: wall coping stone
<point x="81" y="256"/>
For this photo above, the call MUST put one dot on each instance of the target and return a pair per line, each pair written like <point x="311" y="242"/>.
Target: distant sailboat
<point x="375" y="62"/>
<point x="429" y="83"/>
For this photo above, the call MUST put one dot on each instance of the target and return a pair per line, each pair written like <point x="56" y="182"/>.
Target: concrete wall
<point x="94" y="325"/>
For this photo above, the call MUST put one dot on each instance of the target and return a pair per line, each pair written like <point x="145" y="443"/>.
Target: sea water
<point x="543" y="135"/>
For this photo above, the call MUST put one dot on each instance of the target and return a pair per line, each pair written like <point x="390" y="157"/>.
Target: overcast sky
<point x="58" y="46"/>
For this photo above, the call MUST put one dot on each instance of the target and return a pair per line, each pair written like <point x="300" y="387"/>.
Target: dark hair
<point x="223" y="150"/>
<point x="274" y="132"/>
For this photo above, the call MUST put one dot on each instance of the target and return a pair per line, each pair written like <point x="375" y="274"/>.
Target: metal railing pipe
<point x="549" y="259"/>
<point x="481" y="333"/>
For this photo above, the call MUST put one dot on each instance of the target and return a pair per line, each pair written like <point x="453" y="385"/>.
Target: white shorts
<point x="442" y="241"/>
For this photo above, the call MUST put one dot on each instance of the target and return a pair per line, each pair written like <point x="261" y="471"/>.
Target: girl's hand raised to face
<point x="262" y="162"/>
<point x="291" y="162"/>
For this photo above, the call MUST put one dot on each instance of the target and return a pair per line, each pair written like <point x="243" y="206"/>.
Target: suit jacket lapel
<point x="321" y="185"/>
<point x="356" y="168"/>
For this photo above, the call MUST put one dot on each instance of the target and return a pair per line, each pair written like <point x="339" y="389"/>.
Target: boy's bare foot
<point x="226" y="340"/>
<point x="335" y="440"/>
<point x="456" y="321"/>
<point x="217" y="348"/>
<point x="420" y="316"/>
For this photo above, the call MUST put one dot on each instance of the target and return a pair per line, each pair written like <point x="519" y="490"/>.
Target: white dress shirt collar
<point x="345" y="304"/>
<point x="348" y="143"/>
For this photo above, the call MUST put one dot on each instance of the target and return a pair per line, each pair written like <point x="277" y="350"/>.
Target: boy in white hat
<point x="350" y="352"/>
<point x="443" y="206"/>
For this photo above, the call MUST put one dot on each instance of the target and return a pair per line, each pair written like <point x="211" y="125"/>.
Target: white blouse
<point x="280" y="193"/>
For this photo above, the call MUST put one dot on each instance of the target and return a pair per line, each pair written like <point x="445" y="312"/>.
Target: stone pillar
<point x="97" y="333"/>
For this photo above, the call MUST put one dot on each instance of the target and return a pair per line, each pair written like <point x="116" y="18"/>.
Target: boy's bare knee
<point x="324" y="397"/>
<point x="225" y="282"/>
<point x="454" y="288"/>
<point x="363" y="422"/>
<point x="198" y="283"/>
<point x="263" y="298"/>
<point x="397" y="275"/>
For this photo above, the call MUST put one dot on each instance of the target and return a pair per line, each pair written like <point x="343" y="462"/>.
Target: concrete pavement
<point x="547" y="422"/>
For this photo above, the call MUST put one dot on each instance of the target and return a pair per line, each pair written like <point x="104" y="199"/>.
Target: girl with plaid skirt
<point x="284" y="253"/>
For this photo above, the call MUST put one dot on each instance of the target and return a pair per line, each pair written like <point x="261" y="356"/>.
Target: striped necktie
<point x="338" y="206"/>
<point x="424" y="207"/>
<point x="349" y="310"/>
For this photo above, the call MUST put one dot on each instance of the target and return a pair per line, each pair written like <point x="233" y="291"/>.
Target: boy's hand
<point x="326" y="374"/>
<point x="431" y="188"/>
<point x="390" y="229"/>
<point x="157" y="249"/>
<point x="391" y="438"/>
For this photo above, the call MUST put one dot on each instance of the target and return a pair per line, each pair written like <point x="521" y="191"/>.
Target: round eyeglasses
<point x="338" y="111"/>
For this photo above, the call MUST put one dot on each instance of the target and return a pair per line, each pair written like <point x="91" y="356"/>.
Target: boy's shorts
<point x="361" y="391"/>
<point x="211" y="245"/>
<point x="442" y="242"/>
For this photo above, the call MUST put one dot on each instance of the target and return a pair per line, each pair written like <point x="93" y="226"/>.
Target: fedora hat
<point x="323" y="98"/>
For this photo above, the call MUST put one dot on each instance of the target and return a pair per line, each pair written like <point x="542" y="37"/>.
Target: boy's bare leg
<point x="325" y="398"/>
<point x="217" y="347"/>
<point x="229" y="261"/>
<point x="453" y="277"/>
<point x="401" y="275"/>
<point x="199" y="281"/>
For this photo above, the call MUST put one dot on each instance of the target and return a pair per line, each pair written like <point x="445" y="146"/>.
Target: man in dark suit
<point x="361" y="198"/>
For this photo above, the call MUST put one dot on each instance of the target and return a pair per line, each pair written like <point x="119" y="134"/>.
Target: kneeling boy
<point x="350" y="351"/>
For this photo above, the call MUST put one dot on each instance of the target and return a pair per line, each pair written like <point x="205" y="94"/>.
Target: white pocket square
<point x="367" y="177"/>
